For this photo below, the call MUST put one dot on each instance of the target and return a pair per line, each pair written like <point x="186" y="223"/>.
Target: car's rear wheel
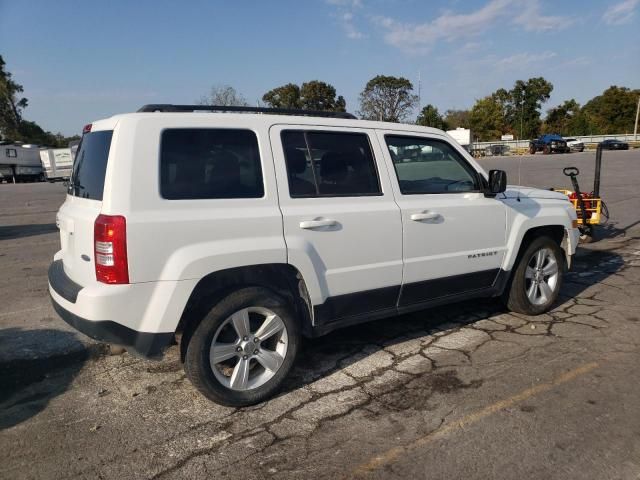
<point x="243" y="349"/>
<point x="532" y="150"/>
<point x="537" y="278"/>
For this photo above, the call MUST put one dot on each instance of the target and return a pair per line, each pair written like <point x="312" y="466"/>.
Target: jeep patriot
<point x="243" y="229"/>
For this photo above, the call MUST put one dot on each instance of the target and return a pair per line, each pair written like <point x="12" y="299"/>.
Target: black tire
<point x="197" y="365"/>
<point x="515" y="297"/>
<point x="532" y="150"/>
<point x="546" y="150"/>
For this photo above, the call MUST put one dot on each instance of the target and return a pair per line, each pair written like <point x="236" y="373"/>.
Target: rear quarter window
<point x="90" y="165"/>
<point x="210" y="164"/>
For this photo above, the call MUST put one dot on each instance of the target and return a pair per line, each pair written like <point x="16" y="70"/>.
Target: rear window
<point x="87" y="178"/>
<point x="210" y="164"/>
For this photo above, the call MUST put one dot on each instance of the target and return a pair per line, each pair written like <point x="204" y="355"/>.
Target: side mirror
<point x="497" y="182"/>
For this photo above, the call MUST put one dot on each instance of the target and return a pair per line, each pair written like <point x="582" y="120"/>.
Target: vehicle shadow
<point x="611" y="230"/>
<point x="11" y="232"/>
<point x="29" y="378"/>
<point x="336" y="351"/>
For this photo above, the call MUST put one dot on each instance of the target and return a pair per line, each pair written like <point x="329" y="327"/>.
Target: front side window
<point x="12" y="153"/>
<point x="208" y="163"/>
<point x="329" y="164"/>
<point x="425" y="166"/>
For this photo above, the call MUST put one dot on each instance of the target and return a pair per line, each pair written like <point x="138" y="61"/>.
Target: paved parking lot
<point x="465" y="391"/>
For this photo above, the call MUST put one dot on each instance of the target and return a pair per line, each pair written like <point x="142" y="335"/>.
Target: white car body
<point x="575" y="145"/>
<point x="384" y="244"/>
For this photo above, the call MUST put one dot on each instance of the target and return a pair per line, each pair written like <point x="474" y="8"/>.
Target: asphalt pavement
<point x="464" y="391"/>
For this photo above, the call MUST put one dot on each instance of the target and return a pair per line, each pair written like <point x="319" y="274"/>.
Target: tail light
<point x="110" y="249"/>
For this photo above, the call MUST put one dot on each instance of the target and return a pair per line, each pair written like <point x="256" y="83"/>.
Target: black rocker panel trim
<point x="353" y="304"/>
<point x="418" y="292"/>
<point x="389" y="301"/>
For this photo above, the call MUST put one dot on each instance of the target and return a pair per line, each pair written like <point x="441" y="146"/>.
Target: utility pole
<point x="521" y="114"/>
<point x="635" y="129"/>
<point x="420" y="90"/>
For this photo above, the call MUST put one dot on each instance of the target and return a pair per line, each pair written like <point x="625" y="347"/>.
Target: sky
<point x="82" y="61"/>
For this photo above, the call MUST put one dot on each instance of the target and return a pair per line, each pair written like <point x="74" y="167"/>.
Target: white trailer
<point x="462" y="136"/>
<point x="20" y="163"/>
<point x="57" y="163"/>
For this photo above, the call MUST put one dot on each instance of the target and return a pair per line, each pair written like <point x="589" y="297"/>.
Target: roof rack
<point x="161" y="107"/>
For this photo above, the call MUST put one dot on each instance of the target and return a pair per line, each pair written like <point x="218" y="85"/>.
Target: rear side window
<point x="329" y="164"/>
<point x="90" y="165"/>
<point x="209" y="164"/>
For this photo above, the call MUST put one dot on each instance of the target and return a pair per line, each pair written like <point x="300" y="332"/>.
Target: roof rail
<point x="162" y="107"/>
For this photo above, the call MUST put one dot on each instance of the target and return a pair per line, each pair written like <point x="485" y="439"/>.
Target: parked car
<point x="575" y="145"/>
<point x="548" y="144"/>
<point x="496" y="150"/>
<point x="613" y="144"/>
<point x="246" y="231"/>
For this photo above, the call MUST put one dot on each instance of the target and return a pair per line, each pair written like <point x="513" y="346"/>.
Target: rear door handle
<point x="417" y="217"/>
<point x="311" y="224"/>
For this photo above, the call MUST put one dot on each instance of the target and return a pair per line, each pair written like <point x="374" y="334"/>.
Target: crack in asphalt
<point x="431" y="337"/>
<point x="391" y="368"/>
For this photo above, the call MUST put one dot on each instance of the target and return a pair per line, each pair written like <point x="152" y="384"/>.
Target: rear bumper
<point x="118" y="314"/>
<point x="147" y="345"/>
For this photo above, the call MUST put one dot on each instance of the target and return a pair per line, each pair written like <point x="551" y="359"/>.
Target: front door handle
<point x="311" y="224"/>
<point x="417" y="217"/>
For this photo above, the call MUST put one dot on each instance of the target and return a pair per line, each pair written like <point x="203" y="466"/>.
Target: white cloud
<point x="523" y="60"/>
<point x="533" y="21"/>
<point x="620" y="13"/>
<point x="347" y="15"/>
<point x="450" y="26"/>
<point x="346" y="3"/>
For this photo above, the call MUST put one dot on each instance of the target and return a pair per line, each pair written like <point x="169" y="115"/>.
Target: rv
<point x="20" y="163"/>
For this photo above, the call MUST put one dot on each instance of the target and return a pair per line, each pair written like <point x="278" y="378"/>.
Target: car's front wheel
<point x="243" y="349"/>
<point x="537" y="278"/>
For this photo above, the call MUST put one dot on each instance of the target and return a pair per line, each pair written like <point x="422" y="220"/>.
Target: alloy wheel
<point x="248" y="348"/>
<point x="541" y="276"/>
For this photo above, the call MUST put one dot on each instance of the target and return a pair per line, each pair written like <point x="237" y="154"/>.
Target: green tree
<point x="388" y="99"/>
<point x="487" y="119"/>
<point x="560" y="119"/>
<point x="614" y="111"/>
<point x="313" y="95"/>
<point x="286" y="96"/>
<point x="321" y="96"/>
<point x="224" y="95"/>
<point x="523" y="104"/>
<point x="12" y="126"/>
<point x="11" y="104"/>
<point x="457" y="118"/>
<point x="430" y="117"/>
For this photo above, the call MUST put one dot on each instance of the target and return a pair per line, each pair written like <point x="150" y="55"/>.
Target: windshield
<point x="90" y="165"/>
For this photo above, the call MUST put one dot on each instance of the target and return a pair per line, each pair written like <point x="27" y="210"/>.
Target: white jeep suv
<point x="244" y="229"/>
